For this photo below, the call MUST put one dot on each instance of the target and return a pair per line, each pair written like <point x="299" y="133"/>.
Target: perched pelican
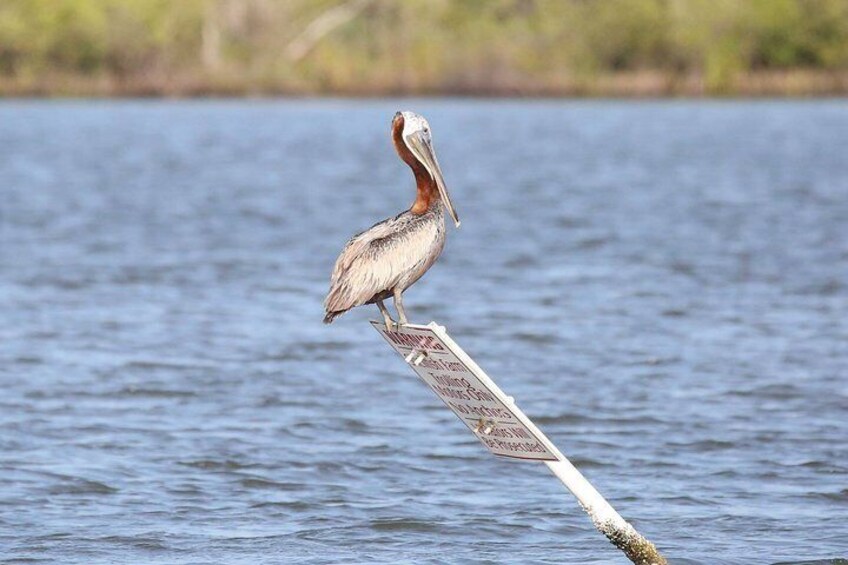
<point x="389" y="257"/>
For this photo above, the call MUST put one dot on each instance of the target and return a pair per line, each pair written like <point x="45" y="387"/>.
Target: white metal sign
<point x="463" y="386"/>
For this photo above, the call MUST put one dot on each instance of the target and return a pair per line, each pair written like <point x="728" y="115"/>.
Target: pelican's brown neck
<point x="427" y="192"/>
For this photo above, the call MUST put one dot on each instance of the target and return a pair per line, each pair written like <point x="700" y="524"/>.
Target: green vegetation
<point x="520" y="47"/>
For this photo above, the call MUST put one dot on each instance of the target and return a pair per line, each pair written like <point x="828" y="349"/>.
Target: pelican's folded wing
<point x="359" y="273"/>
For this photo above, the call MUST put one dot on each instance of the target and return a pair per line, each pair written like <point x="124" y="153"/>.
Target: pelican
<point x="386" y="259"/>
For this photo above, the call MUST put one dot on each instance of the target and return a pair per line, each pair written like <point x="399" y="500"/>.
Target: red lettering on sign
<point x="458" y="408"/>
<point x="513" y="446"/>
<point x="451" y="393"/>
<point x="445" y="380"/>
<point x="489" y="412"/>
<point x="424" y="342"/>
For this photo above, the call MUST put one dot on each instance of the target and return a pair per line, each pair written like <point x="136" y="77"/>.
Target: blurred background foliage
<point x="482" y="47"/>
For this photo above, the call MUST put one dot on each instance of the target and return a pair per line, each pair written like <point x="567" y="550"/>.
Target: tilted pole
<point x="609" y="522"/>
<point x="503" y="428"/>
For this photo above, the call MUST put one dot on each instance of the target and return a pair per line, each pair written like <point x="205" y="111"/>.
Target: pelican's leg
<point x="398" y="295"/>
<point x="387" y="318"/>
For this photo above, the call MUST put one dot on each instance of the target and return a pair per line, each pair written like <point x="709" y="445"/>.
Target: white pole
<point x="609" y="522"/>
<point x="412" y="343"/>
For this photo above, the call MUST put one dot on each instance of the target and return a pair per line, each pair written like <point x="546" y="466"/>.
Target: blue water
<point x="662" y="286"/>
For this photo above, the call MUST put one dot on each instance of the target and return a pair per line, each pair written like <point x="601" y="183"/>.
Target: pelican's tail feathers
<point x="330" y="316"/>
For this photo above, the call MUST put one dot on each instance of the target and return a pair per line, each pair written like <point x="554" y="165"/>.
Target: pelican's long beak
<point x="422" y="148"/>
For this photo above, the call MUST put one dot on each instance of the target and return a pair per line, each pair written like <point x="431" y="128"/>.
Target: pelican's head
<point x="414" y="132"/>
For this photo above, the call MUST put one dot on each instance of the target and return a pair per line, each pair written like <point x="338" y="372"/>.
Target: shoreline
<point x="639" y="85"/>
